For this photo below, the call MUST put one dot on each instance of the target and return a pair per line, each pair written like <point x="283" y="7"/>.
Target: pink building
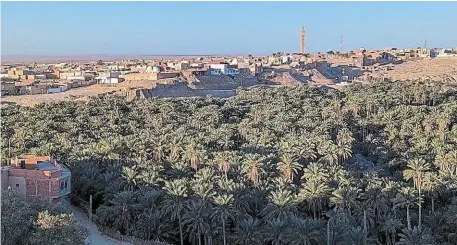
<point x="33" y="175"/>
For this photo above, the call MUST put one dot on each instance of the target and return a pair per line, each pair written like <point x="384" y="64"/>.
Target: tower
<point x="302" y="46"/>
<point x="425" y="44"/>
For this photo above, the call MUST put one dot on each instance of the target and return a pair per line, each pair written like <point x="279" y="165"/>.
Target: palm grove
<point x="373" y="164"/>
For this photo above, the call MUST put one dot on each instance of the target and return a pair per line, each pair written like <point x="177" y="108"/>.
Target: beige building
<point x="65" y="75"/>
<point x="20" y="73"/>
<point x="150" y="76"/>
<point x="182" y="66"/>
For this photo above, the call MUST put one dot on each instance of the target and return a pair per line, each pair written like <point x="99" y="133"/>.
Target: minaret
<point x="425" y="44"/>
<point x="302" y="46"/>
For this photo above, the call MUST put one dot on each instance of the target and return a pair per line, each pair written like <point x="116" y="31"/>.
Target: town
<point x="213" y="75"/>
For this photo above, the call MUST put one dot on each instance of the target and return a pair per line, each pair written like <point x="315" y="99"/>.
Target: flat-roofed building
<point x="32" y="175"/>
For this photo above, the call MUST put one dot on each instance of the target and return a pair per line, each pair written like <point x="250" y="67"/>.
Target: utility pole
<point x="341" y="44"/>
<point x="9" y="151"/>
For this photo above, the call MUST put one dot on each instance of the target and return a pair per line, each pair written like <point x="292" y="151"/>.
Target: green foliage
<point x="377" y="162"/>
<point x="36" y="221"/>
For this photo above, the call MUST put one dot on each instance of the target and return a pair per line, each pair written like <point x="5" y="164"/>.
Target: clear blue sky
<point x="70" y="28"/>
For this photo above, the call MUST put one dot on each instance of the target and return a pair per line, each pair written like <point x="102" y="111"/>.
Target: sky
<point x="188" y="28"/>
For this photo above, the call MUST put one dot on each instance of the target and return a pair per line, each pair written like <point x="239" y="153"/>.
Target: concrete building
<point x="196" y="65"/>
<point x="17" y="72"/>
<point x="223" y="68"/>
<point x="182" y="66"/>
<point x="36" y="88"/>
<point x="32" y="175"/>
<point x="150" y="76"/>
<point x="65" y="75"/>
<point x="4" y="75"/>
<point x="57" y="89"/>
<point x="255" y="68"/>
<point x="445" y="52"/>
<point x="7" y="88"/>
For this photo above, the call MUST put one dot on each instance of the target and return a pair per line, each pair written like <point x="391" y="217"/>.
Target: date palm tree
<point x="224" y="160"/>
<point x="281" y="205"/>
<point x="288" y="166"/>
<point x="176" y="201"/>
<point x="130" y="175"/>
<point x="222" y="212"/>
<point x="274" y="231"/>
<point x="193" y="154"/>
<point x="314" y="192"/>
<point x="196" y="217"/>
<point x="253" y="167"/>
<point x="406" y="198"/>
<point x="344" y="198"/>
<point x="415" y="236"/>
<point x="416" y="171"/>
<point x="305" y="231"/>
<point x="248" y="232"/>
<point x="390" y="226"/>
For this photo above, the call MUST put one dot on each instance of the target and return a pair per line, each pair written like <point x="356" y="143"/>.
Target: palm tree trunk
<point x="180" y="229"/>
<point x="433" y="205"/>
<point x="223" y="232"/>
<point x="199" y="238"/>
<point x="314" y="211"/>
<point x="393" y="238"/>
<point x="365" y="220"/>
<point x="420" y="208"/>
<point x="408" y="219"/>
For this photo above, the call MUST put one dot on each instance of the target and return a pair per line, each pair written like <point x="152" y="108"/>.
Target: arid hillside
<point x="433" y="69"/>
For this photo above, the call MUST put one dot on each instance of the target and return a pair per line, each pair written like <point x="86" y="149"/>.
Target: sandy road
<point x="95" y="236"/>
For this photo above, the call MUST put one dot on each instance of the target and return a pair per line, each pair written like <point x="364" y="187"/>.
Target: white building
<point x="196" y="65"/>
<point x="223" y="68"/>
<point x="285" y="59"/>
<point x="104" y="80"/>
<point x="76" y="78"/>
<point x="445" y="52"/>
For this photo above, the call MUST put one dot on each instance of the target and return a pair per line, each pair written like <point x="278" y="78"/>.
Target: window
<point x="22" y="163"/>
<point x="17" y="185"/>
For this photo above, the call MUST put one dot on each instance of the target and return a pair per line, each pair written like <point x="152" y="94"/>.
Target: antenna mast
<point x="341" y="45"/>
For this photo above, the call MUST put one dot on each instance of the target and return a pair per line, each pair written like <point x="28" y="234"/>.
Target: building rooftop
<point x="46" y="166"/>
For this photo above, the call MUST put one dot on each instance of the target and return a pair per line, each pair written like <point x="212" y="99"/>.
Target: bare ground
<point x="77" y="93"/>
<point x="433" y="69"/>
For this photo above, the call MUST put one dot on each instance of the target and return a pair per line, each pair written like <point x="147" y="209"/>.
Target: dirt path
<point x="95" y="237"/>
